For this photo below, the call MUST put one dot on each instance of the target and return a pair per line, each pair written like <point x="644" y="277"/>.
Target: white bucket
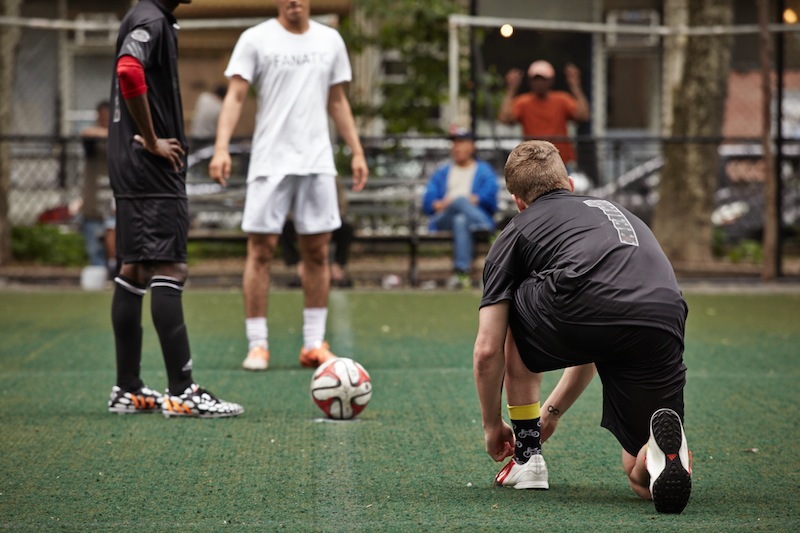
<point x="93" y="278"/>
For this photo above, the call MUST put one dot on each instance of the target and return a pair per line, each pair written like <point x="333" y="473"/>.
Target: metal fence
<point x="47" y="176"/>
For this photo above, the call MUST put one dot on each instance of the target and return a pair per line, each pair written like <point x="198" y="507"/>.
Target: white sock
<point x="257" y="331"/>
<point x="314" y="319"/>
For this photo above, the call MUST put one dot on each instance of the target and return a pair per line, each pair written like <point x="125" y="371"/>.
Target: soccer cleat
<point x="313" y="357"/>
<point x="668" y="462"/>
<point x="530" y="475"/>
<point x="257" y="359"/>
<point x="144" y="400"/>
<point x="199" y="403"/>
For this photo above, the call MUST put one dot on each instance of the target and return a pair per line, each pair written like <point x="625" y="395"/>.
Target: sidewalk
<point x="365" y="271"/>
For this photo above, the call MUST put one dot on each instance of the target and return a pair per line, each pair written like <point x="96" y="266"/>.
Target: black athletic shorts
<point x="641" y="368"/>
<point x="152" y="229"/>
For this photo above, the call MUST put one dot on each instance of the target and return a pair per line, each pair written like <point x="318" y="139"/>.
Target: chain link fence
<point x="621" y="160"/>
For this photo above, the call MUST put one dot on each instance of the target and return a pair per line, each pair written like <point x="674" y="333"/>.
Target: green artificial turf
<point x="413" y="460"/>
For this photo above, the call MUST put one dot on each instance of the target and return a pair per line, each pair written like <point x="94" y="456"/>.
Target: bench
<point x="387" y="211"/>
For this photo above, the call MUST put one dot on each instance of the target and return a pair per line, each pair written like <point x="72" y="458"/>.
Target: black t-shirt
<point x="149" y="34"/>
<point x="594" y="262"/>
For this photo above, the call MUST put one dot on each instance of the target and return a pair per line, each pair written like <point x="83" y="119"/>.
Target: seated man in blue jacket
<point x="461" y="197"/>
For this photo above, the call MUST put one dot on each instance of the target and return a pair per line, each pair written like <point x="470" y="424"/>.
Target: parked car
<point x="739" y="200"/>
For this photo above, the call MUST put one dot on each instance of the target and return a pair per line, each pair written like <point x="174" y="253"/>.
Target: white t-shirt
<point x="292" y="74"/>
<point x="459" y="181"/>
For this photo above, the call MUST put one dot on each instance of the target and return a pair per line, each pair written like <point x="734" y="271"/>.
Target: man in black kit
<point x="581" y="284"/>
<point x="147" y="168"/>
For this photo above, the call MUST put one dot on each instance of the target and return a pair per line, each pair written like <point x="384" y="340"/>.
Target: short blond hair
<point x="534" y="168"/>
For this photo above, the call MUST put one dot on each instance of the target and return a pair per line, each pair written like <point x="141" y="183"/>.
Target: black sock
<point x="126" y="319"/>
<point x="167" y="310"/>
<point x="529" y="439"/>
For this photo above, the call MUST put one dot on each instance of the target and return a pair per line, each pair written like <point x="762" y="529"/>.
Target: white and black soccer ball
<point x="341" y="388"/>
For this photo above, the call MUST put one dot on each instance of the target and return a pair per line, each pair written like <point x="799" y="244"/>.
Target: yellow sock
<point x="524" y="412"/>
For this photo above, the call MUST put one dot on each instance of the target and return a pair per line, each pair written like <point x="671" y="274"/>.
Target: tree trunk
<point x="9" y="38"/>
<point x="769" y="269"/>
<point x="682" y="218"/>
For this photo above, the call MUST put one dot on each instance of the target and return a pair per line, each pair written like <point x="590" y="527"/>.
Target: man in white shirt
<point x="299" y="68"/>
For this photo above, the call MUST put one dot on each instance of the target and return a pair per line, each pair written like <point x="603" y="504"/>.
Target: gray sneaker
<point x="460" y="280"/>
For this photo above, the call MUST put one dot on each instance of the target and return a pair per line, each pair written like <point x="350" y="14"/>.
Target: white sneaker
<point x="198" y="402"/>
<point x="669" y="462"/>
<point x="531" y="475"/>
<point x="257" y="359"/>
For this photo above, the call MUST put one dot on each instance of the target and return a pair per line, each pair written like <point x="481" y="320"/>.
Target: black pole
<point x="473" y="76"/>
<point x="779" y="72"/>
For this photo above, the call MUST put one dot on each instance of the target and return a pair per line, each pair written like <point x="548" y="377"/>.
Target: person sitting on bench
<point x="461" y="196"/>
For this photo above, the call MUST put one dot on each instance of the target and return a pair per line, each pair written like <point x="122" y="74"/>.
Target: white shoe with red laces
<point x="530" y="475"/>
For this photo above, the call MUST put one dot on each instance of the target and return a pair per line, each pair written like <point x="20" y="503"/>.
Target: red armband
<point x="131" y="77"/>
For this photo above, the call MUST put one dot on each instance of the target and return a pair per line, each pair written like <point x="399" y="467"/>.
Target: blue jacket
<point x="484" y="185"/>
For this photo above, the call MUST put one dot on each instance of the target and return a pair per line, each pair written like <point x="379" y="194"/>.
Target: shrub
<point x="48" y="245"/>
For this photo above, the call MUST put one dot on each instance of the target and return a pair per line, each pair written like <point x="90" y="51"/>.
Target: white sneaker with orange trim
<point x="257" y="359"/>
<point x="198" y="402"/>
<point x="530" y="475"/>
<point x="313" y="357"/>
<point x="669" y="462"/>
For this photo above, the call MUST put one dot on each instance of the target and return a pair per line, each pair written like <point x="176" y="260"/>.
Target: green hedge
<point x="48" y="245"/>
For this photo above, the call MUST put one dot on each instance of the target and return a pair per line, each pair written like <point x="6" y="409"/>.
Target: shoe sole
<point x="168" y="414"/>
<point x="538" y="485"/>
<point x="133" y="411"/>
<point x="254" y="367"/>
<point x="672" y="488"/>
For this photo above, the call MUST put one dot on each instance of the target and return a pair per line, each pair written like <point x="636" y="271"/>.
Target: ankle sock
<point x="257" y="332"/>
<point x="314" y="319"/>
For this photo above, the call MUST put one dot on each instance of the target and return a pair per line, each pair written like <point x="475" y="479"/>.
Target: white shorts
<point x="312" y="200"/>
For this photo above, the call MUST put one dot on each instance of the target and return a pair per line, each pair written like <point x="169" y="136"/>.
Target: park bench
<point x="387" y="211"/>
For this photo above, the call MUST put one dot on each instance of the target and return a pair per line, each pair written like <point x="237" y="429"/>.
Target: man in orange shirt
<point x="542" y="112"/>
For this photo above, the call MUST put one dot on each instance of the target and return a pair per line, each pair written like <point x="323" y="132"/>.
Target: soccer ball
<point x="341" y="388"/>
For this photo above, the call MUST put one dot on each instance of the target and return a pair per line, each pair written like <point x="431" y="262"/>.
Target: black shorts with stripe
<point x="152" y="229"/>
<point x="641" y="367"/>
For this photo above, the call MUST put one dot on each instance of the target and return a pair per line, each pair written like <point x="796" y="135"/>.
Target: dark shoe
<point x="144" y="400"/>
<point x="198" y="402"/>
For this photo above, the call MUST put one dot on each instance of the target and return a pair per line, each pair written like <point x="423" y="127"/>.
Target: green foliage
<point x="718" y="240"/>
<point x="215" y="250"/>
<point x="49" y="245"/>
<point x="746" y="250"/>
<point x="417" y="31"/>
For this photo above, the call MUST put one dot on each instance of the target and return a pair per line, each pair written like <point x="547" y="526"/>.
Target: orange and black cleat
<point x="144" y="400"/>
